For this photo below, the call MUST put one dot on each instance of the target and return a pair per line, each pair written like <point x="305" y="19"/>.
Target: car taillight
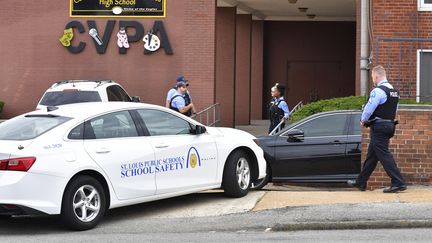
<point x="70" y="90"/>
<point x="17" y="164"/>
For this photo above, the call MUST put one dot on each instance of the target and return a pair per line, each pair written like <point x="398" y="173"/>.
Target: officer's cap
<point x="181" y="78"/>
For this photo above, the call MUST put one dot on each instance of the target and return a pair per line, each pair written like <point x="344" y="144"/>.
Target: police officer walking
<point x="278" y="110"/>
<point x="379" y="114"/>
<point x="180" y="101"/>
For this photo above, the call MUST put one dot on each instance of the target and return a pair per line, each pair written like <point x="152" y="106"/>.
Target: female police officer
<point x="278" y="110"/>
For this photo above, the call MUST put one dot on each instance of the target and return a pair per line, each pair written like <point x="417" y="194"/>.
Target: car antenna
<point x="51" y="108"/>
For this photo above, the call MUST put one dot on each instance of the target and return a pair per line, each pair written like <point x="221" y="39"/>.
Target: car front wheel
<point x="260" y="183"/>
<point x="237" y="175"/>
<point x="83" y="203"/>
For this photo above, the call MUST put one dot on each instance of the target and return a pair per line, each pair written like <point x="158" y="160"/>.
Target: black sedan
<point x="325" y="147"/>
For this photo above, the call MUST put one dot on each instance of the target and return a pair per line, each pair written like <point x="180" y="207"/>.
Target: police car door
<point x="184" y="161"/>
<point x="113" y="142"/>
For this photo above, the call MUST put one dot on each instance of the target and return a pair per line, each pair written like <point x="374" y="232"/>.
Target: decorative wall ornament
<point x="151" y="41"/>
<point x="156" y="39"/>
<point x="94" y="34"/>
<point x="122" y="38"/>
<point x="67" y="37"/>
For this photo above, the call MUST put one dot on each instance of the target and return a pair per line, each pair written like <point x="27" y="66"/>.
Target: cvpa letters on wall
<point x="153" y="40"/>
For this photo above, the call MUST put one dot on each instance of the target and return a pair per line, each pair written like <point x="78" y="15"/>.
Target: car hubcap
<point x="86" y="203"/>
<point x="243" y="173"/>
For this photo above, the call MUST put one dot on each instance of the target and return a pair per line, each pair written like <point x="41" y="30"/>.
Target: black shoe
<point x="354" y="183"/>
<point x="394" y="189"/>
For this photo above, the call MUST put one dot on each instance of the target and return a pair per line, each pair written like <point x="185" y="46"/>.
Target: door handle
<point x="336" y="142"/>
<point x="162" y="145"/>
<point x="103" y="151"/>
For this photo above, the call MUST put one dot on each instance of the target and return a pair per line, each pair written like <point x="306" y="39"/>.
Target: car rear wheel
<point x="83" y="203"/>
<point x="237" y="175"/>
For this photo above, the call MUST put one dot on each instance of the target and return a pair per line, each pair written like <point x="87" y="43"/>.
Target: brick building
<point x="232" y="51"/>
<point x="401" y="41"/>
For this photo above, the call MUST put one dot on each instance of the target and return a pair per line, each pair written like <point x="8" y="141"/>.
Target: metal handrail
<point x="214" y="110"/>
<point x="297" y="107"/>
<point x="278" y="127"/>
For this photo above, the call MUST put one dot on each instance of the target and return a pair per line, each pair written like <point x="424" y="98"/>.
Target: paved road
<point x="140" y="223"/>
<point x="389" y="235"/>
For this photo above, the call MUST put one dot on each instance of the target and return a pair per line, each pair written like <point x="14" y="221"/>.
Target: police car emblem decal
<point x="193" y="158"/>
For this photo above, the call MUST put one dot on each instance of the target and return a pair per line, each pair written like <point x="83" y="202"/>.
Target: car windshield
<point x="56" y="98"/>
<point x="29" y="127"/>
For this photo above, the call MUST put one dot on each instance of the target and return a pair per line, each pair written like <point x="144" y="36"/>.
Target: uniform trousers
<point x="380" y="134"/>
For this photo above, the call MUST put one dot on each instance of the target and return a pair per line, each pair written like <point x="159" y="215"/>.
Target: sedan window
<point x="29" y="126"/>
<point x="355" y="124"/>
<point x="113" y="125"/>
<point x="163" y="123"/>
<point x="56" y="98"/>
<point x="330" y="125"/>
<point x="116" y="93"/>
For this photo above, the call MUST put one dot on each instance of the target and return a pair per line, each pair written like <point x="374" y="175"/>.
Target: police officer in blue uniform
<point x="278" y="110"/>
<point x="173" y="91"/>
<point x="180" y="101"/>
<point x="379" y="114"/>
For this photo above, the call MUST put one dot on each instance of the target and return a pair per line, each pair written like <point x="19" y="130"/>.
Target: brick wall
<point x="400" y="18"/>
<point x="243" y="69"/>
<point x="411" y="147"/>
<point x="225" y="63"/>
<point x="257" y="69"/>
<point x="200" y="49"/>
<point x="34" y="59"/>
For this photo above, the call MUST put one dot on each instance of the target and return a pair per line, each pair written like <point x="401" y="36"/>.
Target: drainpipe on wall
<point x="364" y="47"/>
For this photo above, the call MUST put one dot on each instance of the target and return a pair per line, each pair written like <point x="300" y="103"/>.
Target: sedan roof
<point x="88" y="109"/>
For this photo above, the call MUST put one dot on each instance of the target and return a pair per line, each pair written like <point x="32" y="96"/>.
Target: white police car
<point x="79" y="160"/>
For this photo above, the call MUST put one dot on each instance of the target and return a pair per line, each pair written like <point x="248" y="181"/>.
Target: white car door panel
<point x="123" y="155"/>
<point x="184" y="160"/>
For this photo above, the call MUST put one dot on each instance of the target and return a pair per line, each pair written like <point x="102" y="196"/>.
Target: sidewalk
<point x="256" y="128"/>
<point x="312" y="208"/>
<point x="291" y="196"/>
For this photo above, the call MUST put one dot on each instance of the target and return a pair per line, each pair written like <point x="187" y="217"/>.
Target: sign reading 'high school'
<point x="120" y="8"/>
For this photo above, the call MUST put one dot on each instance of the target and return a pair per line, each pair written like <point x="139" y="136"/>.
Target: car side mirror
<point x="295" y="135"/>
<point x="199" y="129"/>
<point x="135" y="99"/>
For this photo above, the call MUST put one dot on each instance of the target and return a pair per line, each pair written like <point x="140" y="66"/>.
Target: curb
<point x="353" y="225"/>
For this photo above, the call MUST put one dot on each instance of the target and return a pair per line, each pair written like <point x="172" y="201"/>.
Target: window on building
<point x="424" y="5"/>
<point x="424" y="76"/>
